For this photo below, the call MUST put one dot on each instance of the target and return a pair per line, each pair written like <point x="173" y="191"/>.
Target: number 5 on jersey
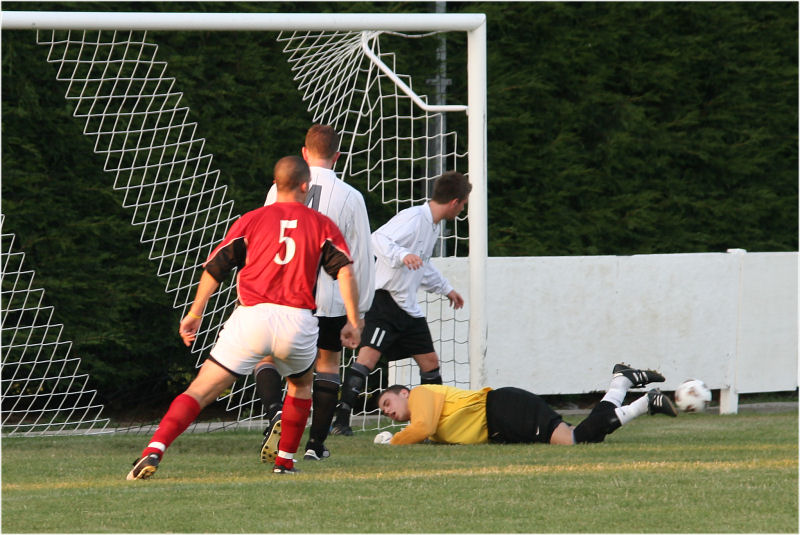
<point x="290" y="246"/>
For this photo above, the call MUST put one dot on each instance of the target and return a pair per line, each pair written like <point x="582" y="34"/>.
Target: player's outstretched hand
<point x="188" y="329"/>
<point x="384" y="437"/>
<point x="456" y="301"/>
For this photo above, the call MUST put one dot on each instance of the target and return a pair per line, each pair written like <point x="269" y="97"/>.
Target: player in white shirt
<point x="395" y="325"/>
<point x="345" y="206"/>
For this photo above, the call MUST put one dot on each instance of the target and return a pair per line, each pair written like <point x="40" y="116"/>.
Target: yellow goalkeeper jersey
<point x="445" y="414"/>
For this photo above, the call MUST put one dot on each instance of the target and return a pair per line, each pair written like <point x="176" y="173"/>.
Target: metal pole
<point x="400" y="83"/>
<point x="420" y="22"/>
<point x="478" y="211"/>
<point x="436" y="144"/>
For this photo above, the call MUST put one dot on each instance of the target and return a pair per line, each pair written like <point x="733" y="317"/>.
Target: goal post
<point x="174" y="210"/>
<point x="231" y="22"/>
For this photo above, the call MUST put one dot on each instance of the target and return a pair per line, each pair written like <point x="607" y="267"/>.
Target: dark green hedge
<point x="627" y="128"/>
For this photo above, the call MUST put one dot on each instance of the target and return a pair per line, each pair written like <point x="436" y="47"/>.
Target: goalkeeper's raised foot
<point x="659" y="403"/>
<point x="637" y="377"/>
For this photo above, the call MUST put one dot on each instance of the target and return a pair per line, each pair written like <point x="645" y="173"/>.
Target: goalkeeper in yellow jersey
<point x="452" y="415"/>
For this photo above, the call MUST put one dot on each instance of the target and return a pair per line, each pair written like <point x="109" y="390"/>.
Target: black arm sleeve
<point x="231" y="256"/>
<point x="333" y="259"/>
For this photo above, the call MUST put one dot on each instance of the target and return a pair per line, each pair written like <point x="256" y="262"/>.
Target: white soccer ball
<point x="384" y="437"/>
<point x="692" y="395"/>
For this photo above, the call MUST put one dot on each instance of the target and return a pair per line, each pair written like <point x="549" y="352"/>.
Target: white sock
<point x="627" y="413"/>
<point x="617" y="389"/>
<point x="158" y="446"/>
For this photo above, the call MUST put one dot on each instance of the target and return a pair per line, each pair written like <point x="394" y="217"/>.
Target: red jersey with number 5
<point x="279" y="249"/>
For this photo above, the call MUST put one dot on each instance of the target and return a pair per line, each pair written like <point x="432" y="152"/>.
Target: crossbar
<point x="128" y="21"/>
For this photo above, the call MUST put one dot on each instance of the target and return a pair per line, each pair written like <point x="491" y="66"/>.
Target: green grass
<point x="695" y="473"/>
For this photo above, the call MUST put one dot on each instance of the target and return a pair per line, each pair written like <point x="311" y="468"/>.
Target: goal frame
<point x="473" y="24"/>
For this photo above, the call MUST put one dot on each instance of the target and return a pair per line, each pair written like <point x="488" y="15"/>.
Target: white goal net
<point x="43" y="390"/>
<point x="394" y="143"/>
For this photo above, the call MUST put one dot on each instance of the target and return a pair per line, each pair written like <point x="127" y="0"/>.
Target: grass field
<point x="695" y="473"/>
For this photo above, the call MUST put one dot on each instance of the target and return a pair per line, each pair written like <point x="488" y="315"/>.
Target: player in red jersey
<point x="278" y="250"/>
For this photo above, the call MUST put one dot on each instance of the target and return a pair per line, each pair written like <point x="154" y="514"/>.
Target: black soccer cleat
<point x="342" y="429"/>
<point x="637" y="377"/>
<point x="659" y="403"/>
<point x="143" y="468"/>
<point x="315" y="451"/>
<point x="272" y="437"/>
<point x="341" y="425"/>
<point x="277" y="469"/>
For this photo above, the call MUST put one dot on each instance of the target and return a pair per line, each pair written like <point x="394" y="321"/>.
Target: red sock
<point x="293" y="423"/>
<point x="181" y="414"/>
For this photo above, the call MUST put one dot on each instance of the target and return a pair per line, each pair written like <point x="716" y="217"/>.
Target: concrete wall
<point x="557" y="325"/>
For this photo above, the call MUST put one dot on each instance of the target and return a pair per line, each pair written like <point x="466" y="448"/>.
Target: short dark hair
<point x="451" y="185"/>
<point x="394" y="389"/>
<point x="322" y="141"/>
<point x="290" y="172"/>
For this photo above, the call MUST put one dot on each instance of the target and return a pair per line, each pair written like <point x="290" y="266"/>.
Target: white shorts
<point x="288" y="334"/>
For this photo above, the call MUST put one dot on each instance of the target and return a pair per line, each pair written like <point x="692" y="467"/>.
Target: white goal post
<point x="364" y="28"/>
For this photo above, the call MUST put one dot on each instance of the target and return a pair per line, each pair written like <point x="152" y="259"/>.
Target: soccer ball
<point x="692" y="395"/>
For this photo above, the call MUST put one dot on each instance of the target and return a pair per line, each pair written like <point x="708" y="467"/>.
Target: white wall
<point x="557" y="325"/>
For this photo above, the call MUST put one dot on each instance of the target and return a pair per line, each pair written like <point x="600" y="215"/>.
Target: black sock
<point x="269" y="388"/>
<point x="355" y="377"/>
<point x="325" y="396"/>
<point x="432" y="377"/>
<point x="600" y="422"/>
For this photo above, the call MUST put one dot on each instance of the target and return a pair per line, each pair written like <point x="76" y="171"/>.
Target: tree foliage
<point x="613" y="128"/>
<point x="626" y="128"/>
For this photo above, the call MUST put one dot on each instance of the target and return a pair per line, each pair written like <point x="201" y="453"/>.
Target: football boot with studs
<point x="144" y="468"/>
<point x="637" y="377"/>
<point x="659" y="403"/>
<point x="272" y="437"/>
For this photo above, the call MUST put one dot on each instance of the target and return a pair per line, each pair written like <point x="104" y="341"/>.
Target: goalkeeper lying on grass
<point x="452" y="415"/>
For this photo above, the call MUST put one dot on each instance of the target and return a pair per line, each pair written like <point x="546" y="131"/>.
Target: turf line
<point x="257" y="477"/>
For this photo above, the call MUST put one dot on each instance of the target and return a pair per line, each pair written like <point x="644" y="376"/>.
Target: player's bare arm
<point x="351" y="332"/>
<point x="190" y="324"/>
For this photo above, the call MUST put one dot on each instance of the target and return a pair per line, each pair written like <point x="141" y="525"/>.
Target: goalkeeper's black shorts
<point x="389" y="329"/>
<point x="516" y="415"/>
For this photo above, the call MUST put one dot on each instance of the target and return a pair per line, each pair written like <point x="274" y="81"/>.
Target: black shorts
<point x="389" y="329"/>
<point x="330" y="330"/>
<point x="516" y="415"/>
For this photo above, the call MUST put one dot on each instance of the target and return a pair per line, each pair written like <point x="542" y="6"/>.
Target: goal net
<point x="394" y="143"/>
<point x="43" y="391"/>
